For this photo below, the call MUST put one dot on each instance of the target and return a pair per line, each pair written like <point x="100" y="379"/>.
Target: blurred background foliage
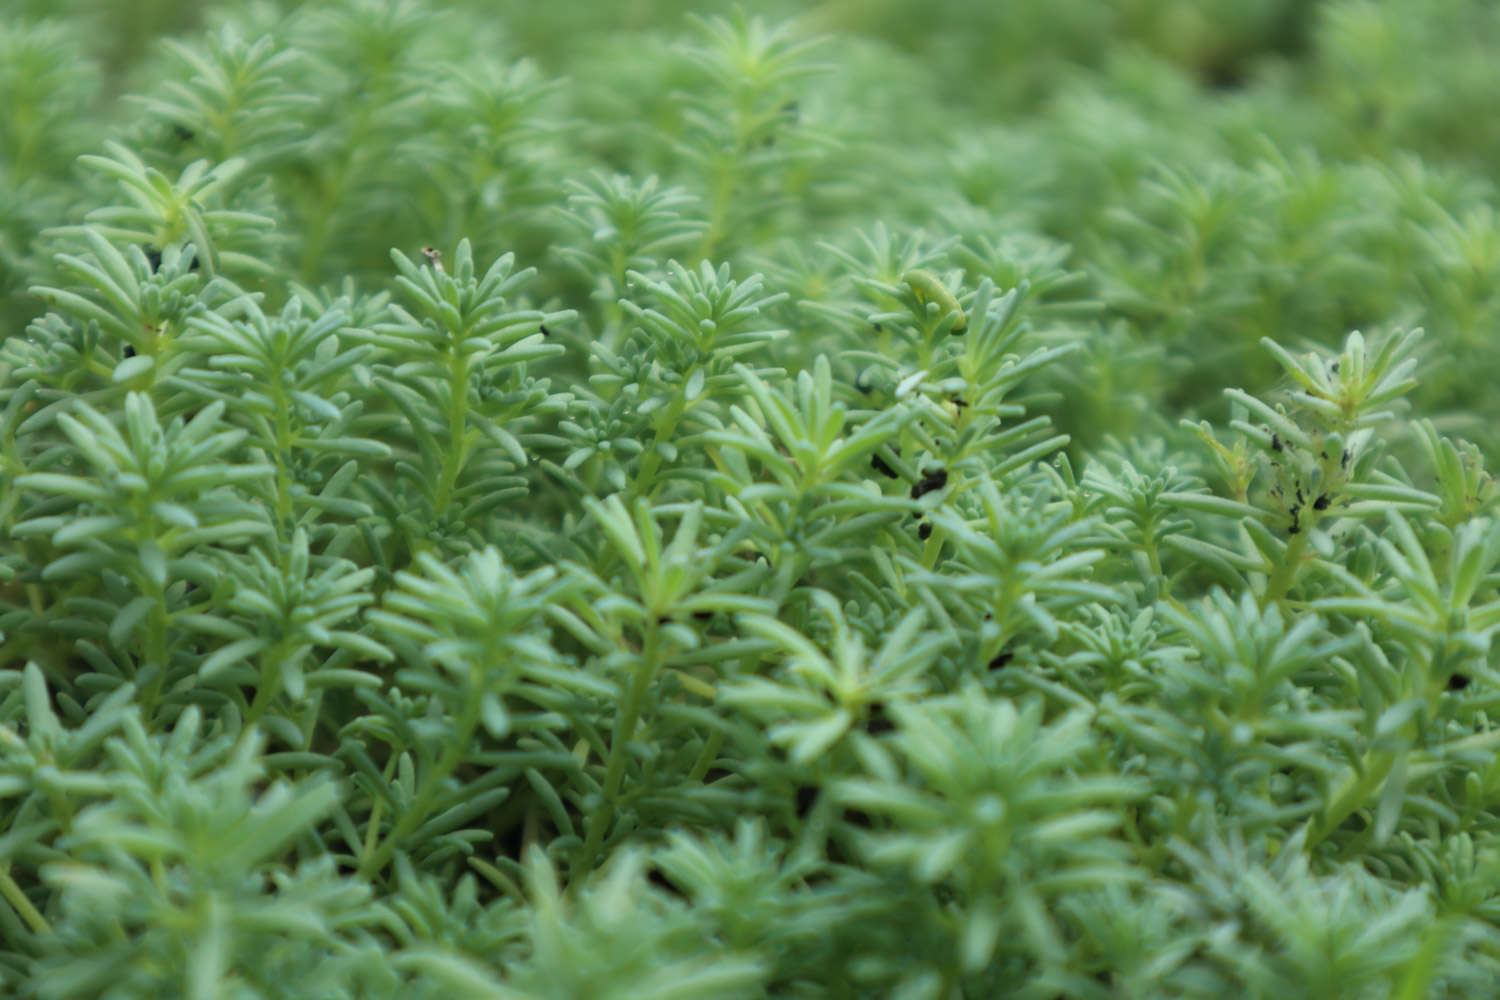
<point x="1209" y="173"/>
<point x="677" y="587"/>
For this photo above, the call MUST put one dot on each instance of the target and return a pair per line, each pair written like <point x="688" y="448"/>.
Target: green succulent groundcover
<point x="645" y="500"/>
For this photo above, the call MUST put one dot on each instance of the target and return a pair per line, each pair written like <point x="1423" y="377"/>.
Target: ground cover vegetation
<point x="662" y="500"/>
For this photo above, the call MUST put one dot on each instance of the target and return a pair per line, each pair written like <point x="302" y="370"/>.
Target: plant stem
<point x="23" y="906"/>
<point x="155" y="646"/>
<point x="628" y="716"/>
<point x="1353" y="793"/>
<point x="1285" y="573"/>
<point x="458" y="409"/>
<point x="416" y="812"/>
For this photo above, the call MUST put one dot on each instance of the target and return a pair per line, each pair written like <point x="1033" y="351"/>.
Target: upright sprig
<point x="284" y="611"/>
<point x="814" y="701"/>
<point x="699" y="324"/>
<point x="132" y="312"/>
<point x="162" y="212"/>
<point x="1238" y="709"/>
<point x="453" y="365"/>
<point x="1018" y="566"/>
<point x="158" y="501"/>
<point x="50" y="773"/>
<point x="289" y="381"/>
<point x="876" y="298"/>
<point x="643" y="630"/>
<point x="1319" y="447"/>
<point x="625" y="225"/>
<point x="468" y="636"/>
<point x="190" y="876"/>
<point x="616" y="938"/>
<point x="235" y="97"/>
<point x="48" y="72"/>
<point x="668" y="380"/>
<point x="973" y="425"/>
<point x="1138" y="515"/>
<point x="1427" y="627"/>
<point x="955" y="359"/>
<point x="757" y="897"/>
<point x="1003" y="812"/>
<point x="741" y="131"/>
<point x="807" y="445"/>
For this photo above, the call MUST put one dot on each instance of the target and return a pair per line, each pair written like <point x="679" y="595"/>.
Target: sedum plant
<point x="506" y="501"/>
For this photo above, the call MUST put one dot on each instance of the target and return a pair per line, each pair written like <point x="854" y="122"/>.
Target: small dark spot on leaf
<point x="1321" y="503"/>
<point x="656" y="878"/>
<point x="703" y="616"/>
<point x="924" y="531"/>
<point x="857" y="817"/>
<point x="153" y="257"/>
<point x="878" y="721"/>
<point x="1224" y="74"/>
<point x="934" y="479"/>
<point x="543" y="330"/>
<point x="807" y="796"/>
<point x="1276" y="444"/>
<point x="879" y="465"/>
<point x="999" y="662"/>
<point x="1457" y="682"/>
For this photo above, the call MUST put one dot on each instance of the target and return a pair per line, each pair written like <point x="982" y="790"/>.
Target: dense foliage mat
<point x="610" y="500"/>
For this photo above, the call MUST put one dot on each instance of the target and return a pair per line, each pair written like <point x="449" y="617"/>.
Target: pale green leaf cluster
<point x="931" y="501"/>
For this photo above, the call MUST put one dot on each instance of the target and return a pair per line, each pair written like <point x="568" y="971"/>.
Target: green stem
<point x="416" y="812"/>
<point x="17" y="899"/>
<point x="1353" y="792"/>
<point x="707" y="756"/>
<point x="155" y="646"/>
<point x="283" y="408"/>
<point x="319" y="221"/>
<point x="458" y="409"/>
<point x="372" y="830"/>
<point x="327" y="199"/>
<point x="497" y="878"/>
<point x="627" y="718"/>
<point x="725" y="178"/>
<point x="268" y="688"/>
<point x="1285" y="573"/>
<point x="665" y="427"/>
<point x="1153" y="556"/>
